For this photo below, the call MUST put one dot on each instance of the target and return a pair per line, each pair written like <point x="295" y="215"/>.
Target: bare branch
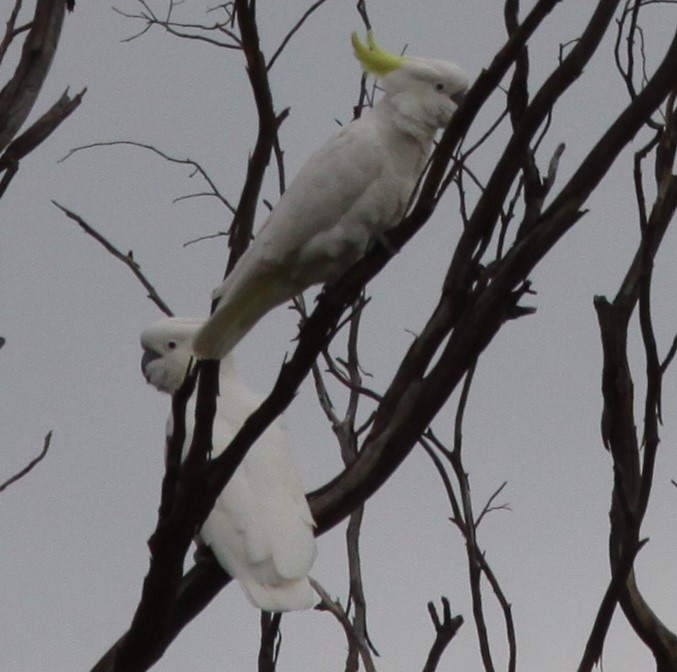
<point x="445" y="628"/>
<point x="489" y="506"/>
<point x="271" y="638"/>
<point x="11" y="31"/>
<point x="463" y="518"/>
<point x="595" y="643"/>
<point x="672" y="351"/>
<point x="269" y="122"/>
<point x="20" y="93"/>
<point x="334" y="607"/>
<point x="35" y="135"/>
<point x="126" y="259"/>
<point x="306" y="15"/>
<point x="632" y="483"/>
<point x="31" y="465"/>
<point x="197" y="168"/>
<point x="198" y="32"/>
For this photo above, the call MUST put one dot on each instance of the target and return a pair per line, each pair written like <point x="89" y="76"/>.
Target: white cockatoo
<point x="356" y="186"/>
<point x="261" y="529"/>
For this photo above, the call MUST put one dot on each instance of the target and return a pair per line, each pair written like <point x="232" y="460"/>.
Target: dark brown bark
<point x="20" y="93"/>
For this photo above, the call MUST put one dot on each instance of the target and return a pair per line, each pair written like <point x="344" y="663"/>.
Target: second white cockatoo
<point x="355" y="187"/>
<point x="261" y="529"/>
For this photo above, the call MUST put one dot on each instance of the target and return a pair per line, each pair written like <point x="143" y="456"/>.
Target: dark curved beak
<point x="148" y="357"/>
<point x="458" y="97"/>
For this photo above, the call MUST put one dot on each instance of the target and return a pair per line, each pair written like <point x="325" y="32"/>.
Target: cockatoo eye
<point x="439" y="86"/>
<point x="171" y="345"/>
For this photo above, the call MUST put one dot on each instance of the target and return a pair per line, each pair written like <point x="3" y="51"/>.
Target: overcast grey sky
<point x="74" y="532"/>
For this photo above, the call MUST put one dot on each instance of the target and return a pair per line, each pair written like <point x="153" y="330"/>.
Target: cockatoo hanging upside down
<point x="261" y="529"/>
<point x="356" y="186"/>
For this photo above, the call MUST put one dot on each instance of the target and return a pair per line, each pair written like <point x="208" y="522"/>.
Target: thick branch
<point x="632" y="485"/>
<point x="243" y="220"/>
<point x="20" y="93"/>
<point x="35" y="135"/>
<point x="270" y="641"/>
<point x="41" y="129"/>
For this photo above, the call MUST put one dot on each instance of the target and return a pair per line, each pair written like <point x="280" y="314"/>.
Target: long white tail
<point x="294" y="595"/>
<point x="243" y="303"/>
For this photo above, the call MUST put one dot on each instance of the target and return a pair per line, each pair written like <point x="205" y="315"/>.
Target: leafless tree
<point x="512" y="225"/>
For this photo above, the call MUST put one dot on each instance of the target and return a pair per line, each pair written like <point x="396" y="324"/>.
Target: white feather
<point x="261" y="529"/>
<point x="357" y="185"/>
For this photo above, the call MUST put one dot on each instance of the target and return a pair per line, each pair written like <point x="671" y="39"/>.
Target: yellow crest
<point x="373" y="58"/>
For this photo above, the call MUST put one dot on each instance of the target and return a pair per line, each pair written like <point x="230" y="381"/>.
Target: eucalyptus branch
<point x="297" y="26"/>
<point x="334" y="607"/>
<point x="126" y="259"/>
<point x="489" y="507"/>
<point x="11" y="30"/>
<point x="271" y="638"/>
<point x="39" y="131"/>
<point x="31" y="465"/>
<point x="633" y="468"/>
<point x="197" y="169"/>
<point x="672" y="351"/>
<point x="269" y="122"/>
<point x="19" y="94"/>
<point x="198" y="32"/>
<point x="445" y="629"/>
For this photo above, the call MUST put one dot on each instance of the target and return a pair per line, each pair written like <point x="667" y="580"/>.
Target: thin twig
<point x="177" y="29"/>
<point x="311" y="10"/>
<point x="11" y="31"/>
<point x="489" y="506"/>
<point x="334" y="607"/>
<point x="126" y="259"/>
<point x="197" y="168"/>
<point x="29" y="467"/>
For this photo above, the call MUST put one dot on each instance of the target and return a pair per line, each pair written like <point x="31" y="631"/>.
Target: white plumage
<point x="261" y="529"/>
<point x="353" y="188"/>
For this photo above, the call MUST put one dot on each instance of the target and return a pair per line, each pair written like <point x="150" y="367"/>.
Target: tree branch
<point x="197" y="168"/>
<point x="445" y="628"/>
<point x="126" y="259"/>
<point x="335" y="608"/>
<point x="31" y="465"/>
<point x="271" y="638"/>
<point x="20" y="93"/>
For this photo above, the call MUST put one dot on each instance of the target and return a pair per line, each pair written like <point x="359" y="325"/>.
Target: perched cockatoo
<point x="261" y="529"/>
<point x="356" y="186"/>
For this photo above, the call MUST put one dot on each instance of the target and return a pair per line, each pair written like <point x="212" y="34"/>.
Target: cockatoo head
<point x="422" y="88"/>
<point x="167" y="351"/>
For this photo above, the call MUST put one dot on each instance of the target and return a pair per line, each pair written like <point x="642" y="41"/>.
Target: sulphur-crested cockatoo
<point x="261" y="529"/>
<point x="356" y="186"/>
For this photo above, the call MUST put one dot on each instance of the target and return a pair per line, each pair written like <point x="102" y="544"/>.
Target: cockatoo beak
<point x="458" y="97"/>
<point x="148" y="357"/>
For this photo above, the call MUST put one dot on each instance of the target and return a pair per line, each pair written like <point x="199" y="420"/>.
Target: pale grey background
<point x="73" y="534"/>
